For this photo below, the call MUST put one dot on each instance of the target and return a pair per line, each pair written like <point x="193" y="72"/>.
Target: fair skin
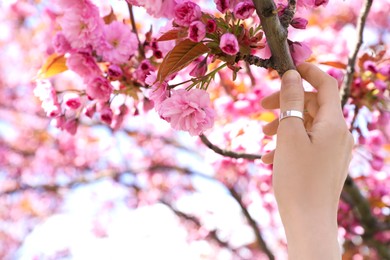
<point x="310" y="162"/>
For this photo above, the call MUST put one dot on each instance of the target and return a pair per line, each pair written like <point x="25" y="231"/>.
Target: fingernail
<point x="292" y="77"/>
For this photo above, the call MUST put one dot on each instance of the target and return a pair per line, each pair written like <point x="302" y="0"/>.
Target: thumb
<point x="291" y="92"/>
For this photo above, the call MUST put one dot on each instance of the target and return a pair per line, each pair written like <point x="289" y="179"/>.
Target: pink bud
<point x="222" y="5"/>
<point x="244" y="10"/>
<point x="211" y="26"/>
<point x="337" y="74"/>
<point x="299" y="52"/>
<point x="199" y="69"/>
<point x="106" y="115"/>
<point x="72" y="101"/>
<point x="90" y="110"/>
<point x="299" y="23"/>
<point x="321" y="2"/>
<point x="71" y="126"/>
<point x="229" y="44"/>
<point x="197" y="31"/>
<point x="114" y="71"/>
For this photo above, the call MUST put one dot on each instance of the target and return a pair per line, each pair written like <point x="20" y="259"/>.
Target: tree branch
<point x="212" y="234"/>
<point x="276" y="35"/>
<point x="228" y="153"/>
<point x="288" y="13"/>
<point x="347" y="82"/>
<point x="363" y="211"/>
<point x="259" y="239"/>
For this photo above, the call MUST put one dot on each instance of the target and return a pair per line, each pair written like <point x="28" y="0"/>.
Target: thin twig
<point x="228" y="153"/>
<point x="259" y="239"/>
<point x="212" y="234"/>
<point x="254" y="60"/>
<point x="347" y="82"/>
<point x="134" y="28"/>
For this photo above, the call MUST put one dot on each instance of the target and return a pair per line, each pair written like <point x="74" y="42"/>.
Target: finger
<point x="271" y="128"/>
<point x="273" y="101"/>
<point x="311" y="104"/>
<point x="268" y="158"/>
<point x="291" y="98"/>
<point x="326" y="85"/>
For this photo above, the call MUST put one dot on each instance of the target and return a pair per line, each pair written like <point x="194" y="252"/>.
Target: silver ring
<point x="291" y="113"/>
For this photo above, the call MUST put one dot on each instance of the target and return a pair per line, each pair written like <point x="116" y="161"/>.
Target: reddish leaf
<point x="171" y="35"/>
<point x="335" y="64"/>
<point x="54" y="65"/>
<point x="110" y="17"/>
<point x="179" y="57"/>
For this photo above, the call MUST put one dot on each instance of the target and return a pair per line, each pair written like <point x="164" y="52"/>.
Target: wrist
<point x="312" y="235"/>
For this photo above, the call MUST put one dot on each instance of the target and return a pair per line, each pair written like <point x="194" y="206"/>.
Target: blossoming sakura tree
<point x="151" y="96"/>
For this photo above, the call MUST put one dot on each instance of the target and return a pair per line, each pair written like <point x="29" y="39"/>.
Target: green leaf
<point x="180" y="57"/>
<point x="54" y="65"/>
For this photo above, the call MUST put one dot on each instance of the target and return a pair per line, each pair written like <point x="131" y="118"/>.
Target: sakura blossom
<point x="99" y="88"/>
<point x="188" y="111"/>
<point x="186" y="13"/>
<point x="119" y="43"/>
<point x="229" y="44"/>
<point x="244" y="9"/>
<point x="197" y="31"/>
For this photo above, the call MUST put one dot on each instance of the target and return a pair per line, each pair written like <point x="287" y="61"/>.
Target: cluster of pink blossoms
<point x="106" y="55"/>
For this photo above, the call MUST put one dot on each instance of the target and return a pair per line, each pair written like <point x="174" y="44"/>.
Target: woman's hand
<point x="311" y="161"/>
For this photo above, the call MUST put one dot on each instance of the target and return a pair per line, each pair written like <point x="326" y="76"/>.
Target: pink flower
<point x="222" y="5"/>
<point x="61" y="44"/>
<point x="299" y="52"/>
<point x="197" y="31"/>
<point x="244" y="10"/>
<point x="47" y="94"/>
<point x="143" y="70"/>
<point x="81" y="24"/>
<point x="157" y="8"/>
<point x="186" y="13"/>
<point x="72" y="101"/>
<point x="299" y="23"/>
<point x="99" y="88"/>
<point x="119" y="43"/>
<point x="312" y="3"/>
<point x="188" y="110"/>
<point x="229" y="44"/>
<point x="158" y="92"/>
<point x="84" y="65"/>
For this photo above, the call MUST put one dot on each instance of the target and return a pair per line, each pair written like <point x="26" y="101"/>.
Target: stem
<point x="346" y="86"/>
<point x="276" y="34"/>
<point x="134" y="29"/>
<point x="197" y="80"/>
